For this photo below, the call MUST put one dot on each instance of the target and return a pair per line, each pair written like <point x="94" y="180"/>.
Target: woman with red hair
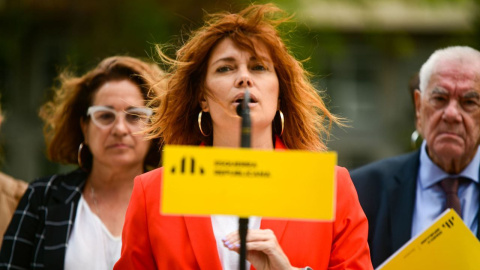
<point x="208" y="80"/>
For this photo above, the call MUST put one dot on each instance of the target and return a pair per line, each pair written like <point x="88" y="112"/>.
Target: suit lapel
<point x="203" y="242"/>
<point x="478" y="212"/>
<point x="277" y="226"/>
<point x="478" y="223"/>
<point x="56" y="237"/>
<point x="403" y="202"/>
<point x="60" y="216"/>
<point x="402" y="198"/>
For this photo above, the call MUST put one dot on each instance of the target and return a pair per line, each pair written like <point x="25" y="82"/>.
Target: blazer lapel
<point x="402" y="198"/>
<point x="478" y="213"/>
<point x="203" y="242"/>
<point x="61" y="208"/>
<point x="56" y="237"/>
<point x="403" y="203"/>
<point x="277" y="226"/>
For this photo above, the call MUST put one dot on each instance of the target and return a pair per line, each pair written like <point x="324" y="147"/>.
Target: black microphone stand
<point x="244" y="111"/>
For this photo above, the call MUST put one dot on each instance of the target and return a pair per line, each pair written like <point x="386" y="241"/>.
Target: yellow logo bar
<point x="246" y="182"/>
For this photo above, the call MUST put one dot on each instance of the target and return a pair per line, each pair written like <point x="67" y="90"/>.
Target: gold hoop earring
<point x="282" y="120"/>
<point x="200" y="124"/>
<point x="79" y="156"/>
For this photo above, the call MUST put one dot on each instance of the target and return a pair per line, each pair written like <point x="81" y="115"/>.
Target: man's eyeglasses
<point x="105" y="117"/>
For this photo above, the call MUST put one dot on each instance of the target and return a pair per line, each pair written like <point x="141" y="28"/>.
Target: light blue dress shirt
<point x="430" y="199"/>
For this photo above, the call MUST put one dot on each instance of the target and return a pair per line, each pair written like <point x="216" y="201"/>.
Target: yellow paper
<point x="246" y="182"/>
<point x="446" y="244"/>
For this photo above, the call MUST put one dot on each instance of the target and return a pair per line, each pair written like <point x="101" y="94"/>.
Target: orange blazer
<point x="153" y="241"/>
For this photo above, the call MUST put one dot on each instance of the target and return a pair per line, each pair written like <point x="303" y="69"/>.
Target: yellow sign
<point x="446" y="244"/>
<point x="247" y="182"/>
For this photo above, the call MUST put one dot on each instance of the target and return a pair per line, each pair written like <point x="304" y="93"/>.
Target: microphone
<point x="244" y="111"/>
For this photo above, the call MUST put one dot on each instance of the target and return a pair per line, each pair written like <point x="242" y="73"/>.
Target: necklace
<point x="94" y="198"/>
<point x="109" y="247"/>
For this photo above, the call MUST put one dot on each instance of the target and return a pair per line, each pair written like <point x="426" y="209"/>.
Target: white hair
<point x="459" y="53"/>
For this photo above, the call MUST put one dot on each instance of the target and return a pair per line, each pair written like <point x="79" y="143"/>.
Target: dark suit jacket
<point x="386" y="190"/>
<point x="38" y="233"/>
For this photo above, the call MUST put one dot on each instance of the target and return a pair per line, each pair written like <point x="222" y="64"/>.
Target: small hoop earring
<point x="200" y="124"/>
<point x="282" y="120"/>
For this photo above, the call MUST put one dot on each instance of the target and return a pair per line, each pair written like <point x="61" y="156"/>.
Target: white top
<point x="223" y="225"/>
<point x="91" y="245"/>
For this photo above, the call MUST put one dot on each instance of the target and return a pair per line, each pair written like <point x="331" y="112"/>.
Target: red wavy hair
<point x="305" y="112"/>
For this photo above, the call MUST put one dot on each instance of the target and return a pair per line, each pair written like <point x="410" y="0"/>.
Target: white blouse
<point x="91" y="245"/>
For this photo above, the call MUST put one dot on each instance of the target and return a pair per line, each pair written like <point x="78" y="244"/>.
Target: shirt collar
<point x="430" y="174"/>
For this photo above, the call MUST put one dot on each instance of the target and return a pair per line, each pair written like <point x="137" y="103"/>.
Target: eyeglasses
<point x="104" y="117"/>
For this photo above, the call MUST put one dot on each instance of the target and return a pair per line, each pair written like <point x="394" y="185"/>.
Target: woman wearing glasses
<point x="75" y="220"/>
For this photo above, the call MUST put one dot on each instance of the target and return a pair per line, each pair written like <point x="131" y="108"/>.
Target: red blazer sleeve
<point x="350" y="230"/>
<point x="136" y="247"/>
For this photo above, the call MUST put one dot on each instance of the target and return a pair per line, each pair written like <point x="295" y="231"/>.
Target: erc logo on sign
<point x="188" y="166"/>
<point x="449" y="223"/>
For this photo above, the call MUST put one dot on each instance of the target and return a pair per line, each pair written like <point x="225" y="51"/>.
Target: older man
<point x="403" y="195"/>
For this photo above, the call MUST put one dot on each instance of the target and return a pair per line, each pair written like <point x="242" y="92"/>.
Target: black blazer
<point x="386" y="190"/>
<point x="38" y="233"/>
